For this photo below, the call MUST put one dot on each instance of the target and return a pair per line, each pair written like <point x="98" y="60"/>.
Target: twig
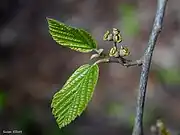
<point x="119" y="60"/>
<point x="125" y="62"/>
<point x="138" y="124"/>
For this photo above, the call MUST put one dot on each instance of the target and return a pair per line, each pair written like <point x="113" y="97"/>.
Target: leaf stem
<point x="104" y="60"/>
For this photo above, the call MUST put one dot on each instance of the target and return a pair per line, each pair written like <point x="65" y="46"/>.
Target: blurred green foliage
<point x="170" y="76"/>
<point x="54" y="130"/>
<point x="114" y="109"/>
<point x="24" y="116"/>
<point x="2" y="100"/>
<point x="118" y="110"/>
<point x="130" y="25"/>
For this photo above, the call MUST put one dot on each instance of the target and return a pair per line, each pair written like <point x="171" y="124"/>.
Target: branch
<point x="119" y="60"/>
<point x="138" y="124"/>
<point x="125" y="62"/>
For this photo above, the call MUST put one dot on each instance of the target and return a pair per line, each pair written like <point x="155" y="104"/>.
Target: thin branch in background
<point x="138" y="124"/>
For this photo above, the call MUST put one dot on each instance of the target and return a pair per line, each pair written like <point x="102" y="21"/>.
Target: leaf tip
<point x="47" y="18"/>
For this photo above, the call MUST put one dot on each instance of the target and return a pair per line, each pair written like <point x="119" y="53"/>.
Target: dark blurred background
<point x="33" y="67"/>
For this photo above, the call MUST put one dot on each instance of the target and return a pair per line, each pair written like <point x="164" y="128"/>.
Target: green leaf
<point x="72" y="99"/>
<point x="76" y="39"/>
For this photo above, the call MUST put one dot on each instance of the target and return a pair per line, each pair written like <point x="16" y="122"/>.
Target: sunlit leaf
<point x="74" y="38"/>
<point x="72" y="99"/>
